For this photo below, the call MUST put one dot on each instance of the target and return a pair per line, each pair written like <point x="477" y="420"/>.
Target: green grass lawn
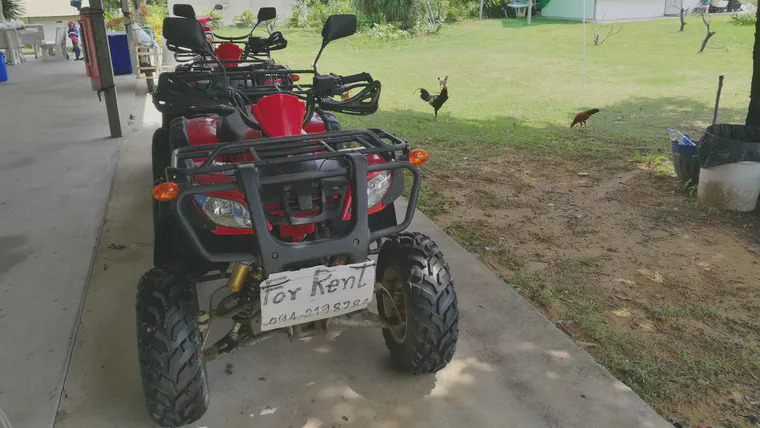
<point x="518" y="85"/>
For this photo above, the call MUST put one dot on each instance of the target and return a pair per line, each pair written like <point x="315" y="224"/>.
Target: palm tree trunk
<point x="753" y="115"/>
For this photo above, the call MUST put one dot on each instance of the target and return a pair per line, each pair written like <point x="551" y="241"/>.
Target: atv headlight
<point x="225" y="212"/>
<point x="377" y="187"/>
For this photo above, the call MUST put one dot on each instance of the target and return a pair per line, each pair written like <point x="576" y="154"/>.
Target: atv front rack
<point x="272" y="254"/>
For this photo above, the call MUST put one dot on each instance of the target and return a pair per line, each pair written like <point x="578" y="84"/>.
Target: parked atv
<point x="206" y="76"/>
<point x="256" y="51"/>
<point x="290" y="219"/>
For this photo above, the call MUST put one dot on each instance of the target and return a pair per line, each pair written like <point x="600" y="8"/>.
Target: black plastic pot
<point x="685" y="163"/>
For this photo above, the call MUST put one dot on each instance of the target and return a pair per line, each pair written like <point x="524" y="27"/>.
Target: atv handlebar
<point x="326" y="86"/>
<point x="356" y="78"/>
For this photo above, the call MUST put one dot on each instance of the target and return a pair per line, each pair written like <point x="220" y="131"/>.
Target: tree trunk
<point x="709" y="34"/>
<point x="683" y="23"/>
<point x="753" y="115"/>
<point x="707" y="39"/>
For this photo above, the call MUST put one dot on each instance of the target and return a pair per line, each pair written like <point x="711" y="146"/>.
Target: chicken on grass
<point x="581" y="118"/>
<point x="436" y="101"/>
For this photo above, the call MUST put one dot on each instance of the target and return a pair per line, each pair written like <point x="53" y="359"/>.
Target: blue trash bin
<point x="3" y="70"/>
<point x="119" y="53"/>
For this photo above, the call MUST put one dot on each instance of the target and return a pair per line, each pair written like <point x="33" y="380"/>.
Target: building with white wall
<point x="615" y="9"/>
<point x="49" y="13"/>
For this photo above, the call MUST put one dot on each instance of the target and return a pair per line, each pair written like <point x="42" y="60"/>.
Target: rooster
<point x="583" y="116"/>
<point x="437" y="101"/>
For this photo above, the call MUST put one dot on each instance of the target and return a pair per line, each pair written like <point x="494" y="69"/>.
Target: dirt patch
<point x="662" y="291"/>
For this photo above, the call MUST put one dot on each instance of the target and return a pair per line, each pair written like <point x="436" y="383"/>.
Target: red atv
<point x="230" y="73"/>
<point x="289" y="215"/>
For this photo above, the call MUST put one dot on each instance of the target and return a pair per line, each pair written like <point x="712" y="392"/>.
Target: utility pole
<point x="480" y="16"/>
<point x="103" y="55"/>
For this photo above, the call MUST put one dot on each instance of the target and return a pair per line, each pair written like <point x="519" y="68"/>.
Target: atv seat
<point x="232" y="127"/>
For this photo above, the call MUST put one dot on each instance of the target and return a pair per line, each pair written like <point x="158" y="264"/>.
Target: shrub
<point x="245" y="19"/>
<point x="424" y="27"/>
<point x="747" y="16"/>
<point x="402" y="11"/>
<point x="114" y="20"/>
<point x="155" y="18"/>
<point x="217" y="22"/>
<point x="386" y="32"/>
<point x="388" y="19"/>
<point x="457" y="11"/>
<point x="314" y="13"/>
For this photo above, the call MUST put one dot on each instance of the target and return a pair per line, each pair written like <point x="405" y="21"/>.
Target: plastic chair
<point x="55" y="50"/>
<point x="10" y="41"/>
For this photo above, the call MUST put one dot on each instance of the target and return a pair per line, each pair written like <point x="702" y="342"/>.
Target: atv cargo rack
<point x="179" y="89"/>
<point x="241" y="78"/>
<point x="271" y="253"/>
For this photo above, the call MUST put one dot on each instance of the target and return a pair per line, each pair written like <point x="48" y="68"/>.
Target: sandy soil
<point x="664" y="292"/>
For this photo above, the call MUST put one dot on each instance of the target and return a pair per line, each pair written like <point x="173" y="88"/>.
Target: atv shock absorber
<point x="239" y="274"/>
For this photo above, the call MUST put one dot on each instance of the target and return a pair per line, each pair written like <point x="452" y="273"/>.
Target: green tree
<point x="13" y="9"/>
<point x="402" y="11"/>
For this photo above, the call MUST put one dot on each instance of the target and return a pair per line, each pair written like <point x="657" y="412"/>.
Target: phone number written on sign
<point x="315" y="293"/>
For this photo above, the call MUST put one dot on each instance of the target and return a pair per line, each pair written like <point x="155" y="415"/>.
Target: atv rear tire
<point x="422" y="306"/>
<point x="161" y="151"/>
<point x="169" y="348"/>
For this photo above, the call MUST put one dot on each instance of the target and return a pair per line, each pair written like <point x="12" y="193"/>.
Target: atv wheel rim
<point x="394" y="304"/>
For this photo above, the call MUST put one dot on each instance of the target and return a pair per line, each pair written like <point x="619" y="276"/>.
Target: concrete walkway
<point x="512" y="368"/>
<point x="56" y="170"/>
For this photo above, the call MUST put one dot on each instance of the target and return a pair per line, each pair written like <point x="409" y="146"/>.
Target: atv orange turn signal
<point x="295" y="77"/>
<point x="418" y="157"/>
<point x="165" y="191"/>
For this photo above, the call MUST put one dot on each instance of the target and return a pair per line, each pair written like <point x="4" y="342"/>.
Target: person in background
<point x="506" y="11"/>
<point x="73" y="33"/>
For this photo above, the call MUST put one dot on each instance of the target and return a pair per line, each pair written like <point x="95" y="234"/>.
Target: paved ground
<point x="513" y="368"/>
<point x="56" y="169"/>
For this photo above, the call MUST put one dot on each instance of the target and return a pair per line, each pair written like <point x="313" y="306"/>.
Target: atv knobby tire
<point x="424" y="284"/>
<point x="161" y="153"/>
<point x="169" y="348"/>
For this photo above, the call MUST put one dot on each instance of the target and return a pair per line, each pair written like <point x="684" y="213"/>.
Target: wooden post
<point x="103" y="55"/>
<point x="717" y="99"/>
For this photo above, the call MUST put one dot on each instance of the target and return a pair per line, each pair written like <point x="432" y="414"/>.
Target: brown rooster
<point x="436" y="101"/>
<point x="583" y="116"/>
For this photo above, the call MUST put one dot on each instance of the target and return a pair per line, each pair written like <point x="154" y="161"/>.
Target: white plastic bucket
<point x="734" y="186"/>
